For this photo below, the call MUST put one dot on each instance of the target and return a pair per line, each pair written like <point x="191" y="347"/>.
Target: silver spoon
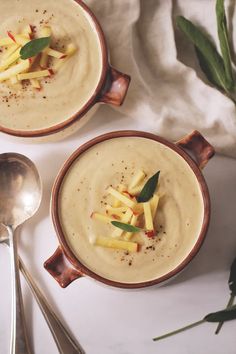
<point x="20" y="197"/>
<point x="64" y="341"/>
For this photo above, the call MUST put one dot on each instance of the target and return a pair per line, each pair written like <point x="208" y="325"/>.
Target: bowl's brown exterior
<point x="55" y="209"/>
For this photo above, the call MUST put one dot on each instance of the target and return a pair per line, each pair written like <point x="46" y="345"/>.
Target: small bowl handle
<point x="61" y="269"/>
<point x="115" y="88"/>
<point x="199" y="146"/>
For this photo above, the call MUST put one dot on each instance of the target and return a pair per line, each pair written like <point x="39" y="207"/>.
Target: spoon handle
<point x="19" y="341"/>
<point x="64" y="341"/>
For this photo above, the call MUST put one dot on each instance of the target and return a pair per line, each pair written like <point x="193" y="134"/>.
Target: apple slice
<point x="148" y="216"/>
<point x="104" y="218"/>
<point x="35" y="83"/>
<point x="154" y="204"/>
<point x="138" y="209"/>
<point x="133" y="222"/>
<point x="10" y="50"/>
<point x="14" y="38"/>
<point x="34" y="75"/>
<point x="117" y="244"/>
<point x="121" y="188"/>
<point x="70" y="50"/>
<point x="122" y="198"/>
<point x="13" y="80"/>
<point x="137" y="178"/>
<point x="27" y="31"/>
<point x="126" y="219"/>
<point x="116" y="211"/>
<point x="46" y="31"/>
<point x="55" y="53"/>
<point x="10" y="60"/>
<point x="14" y="70"/>
<point x="136" y="190"/>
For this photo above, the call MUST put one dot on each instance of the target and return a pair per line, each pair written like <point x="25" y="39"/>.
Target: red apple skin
<point x="51" y="72"/>
<point x="11" y="36"/>
<point x="150" y="233"/>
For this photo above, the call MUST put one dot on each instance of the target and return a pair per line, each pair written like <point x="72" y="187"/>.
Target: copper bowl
<point x="63" y="264"/>
<point x="111" y="89"/>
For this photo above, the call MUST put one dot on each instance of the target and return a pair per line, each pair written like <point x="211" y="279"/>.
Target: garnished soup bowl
<point x="182" y="219"/>
<point x="69" y="97"/>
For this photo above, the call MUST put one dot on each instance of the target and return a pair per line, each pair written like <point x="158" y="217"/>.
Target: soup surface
<point x="67" y="91"/>
<point x="178" y="219"/>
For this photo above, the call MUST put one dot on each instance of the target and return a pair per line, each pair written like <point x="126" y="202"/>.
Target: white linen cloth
<point x="168" y="90"/>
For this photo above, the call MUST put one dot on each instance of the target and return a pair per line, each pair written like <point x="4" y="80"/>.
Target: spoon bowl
<point x="20" y="197"/>
<point x="20" y="189"/>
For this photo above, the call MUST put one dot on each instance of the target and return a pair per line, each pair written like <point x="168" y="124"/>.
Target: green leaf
<point x="207" y="48"/>
<point x="148" y="189"/>
<point x="222" y="316"/>
<point x="224" y="41"/>
<point x="34" y="47"/>
<point x="126" y="227"/>
<point x="232" y="278"/>
<point x="206" y="67"/>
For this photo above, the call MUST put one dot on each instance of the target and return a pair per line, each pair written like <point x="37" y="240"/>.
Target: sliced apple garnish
<point x="116" y="211"/>
<point x="14" y="70"/>
<point x="13" y="80"/>
<point x="35" y="83"/>
<point x="10" y="50"/>
<point x="117" y="244"/>
<point x="70" y="50"/>
<point x="45" y="32"/>
<point x="122" y="198"/>
<point x="125" y="219"/>
<point x="138" y="209"/>
<point x="148" y="216"/>
<point x="10" y="60"/>
<point x="54" y="53"/>
<point x="137" y="178"/>
<point x="154" y="204"/>
<point x="136" y="190"/>
<point x="27" y="31"/>
<point x="133" y="222"/>
<point x="101" y="217"/>
<point x="116" y="202"/>
<point x="34" y="75"/>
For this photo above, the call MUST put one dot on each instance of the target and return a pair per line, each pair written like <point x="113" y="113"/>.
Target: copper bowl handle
<point x="115" y="88"/>
<point x="199" y="146"/>
<point x="61" y="269"/>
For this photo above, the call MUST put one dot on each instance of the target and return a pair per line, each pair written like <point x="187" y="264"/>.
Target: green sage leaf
<point x="224" y="41"/>
<point x="148" y="189"/>
<point x="126" y="227"/>
<point x="34" y="47"/>
<point x="232" y="278"/>
<point x="206" y="67"/>
<point x="222" y="316"/>
<point x="207" y="48"/>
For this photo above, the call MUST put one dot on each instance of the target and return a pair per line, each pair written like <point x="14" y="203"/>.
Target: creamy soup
<point x="67" y="91"/>
<point x="178" y="220"/>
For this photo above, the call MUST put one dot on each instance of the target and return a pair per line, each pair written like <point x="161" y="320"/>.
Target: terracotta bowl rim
<point x="88" y="105"/>
<point x="55" y="208"/>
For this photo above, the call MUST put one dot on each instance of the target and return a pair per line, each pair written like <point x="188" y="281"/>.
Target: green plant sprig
<point x="232" y="288"/>
<point x="219" y="316"/>
<point x="217" y="68"/>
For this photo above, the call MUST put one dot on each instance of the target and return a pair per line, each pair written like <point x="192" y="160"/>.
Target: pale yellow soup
<point x="66" y="92"/>
<point x="178" y="220"/>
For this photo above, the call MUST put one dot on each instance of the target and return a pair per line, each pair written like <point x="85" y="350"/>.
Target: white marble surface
<point x="110" y="321"/>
